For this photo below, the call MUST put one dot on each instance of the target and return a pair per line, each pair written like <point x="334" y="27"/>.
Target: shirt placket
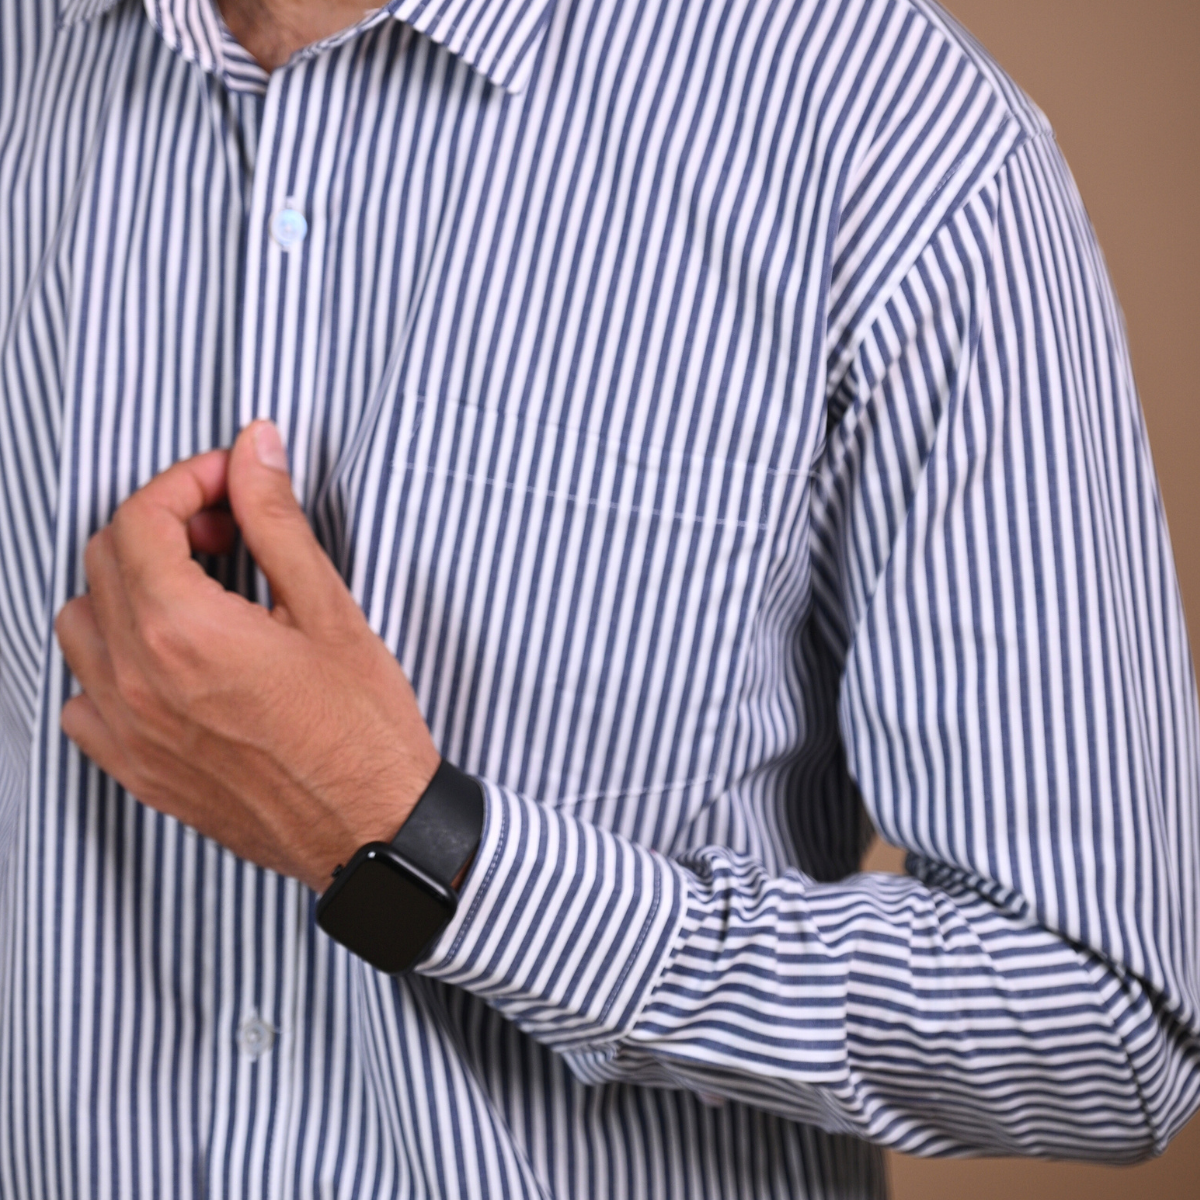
<point x="266" y="931"/>
<point x="276" y="347"/>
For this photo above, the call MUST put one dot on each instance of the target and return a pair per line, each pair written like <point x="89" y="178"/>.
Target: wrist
<point x="392" y="899"/>
<point x="375" y="810"/>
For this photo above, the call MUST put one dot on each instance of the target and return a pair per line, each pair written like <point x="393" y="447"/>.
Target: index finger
<point x="150" y="530"/>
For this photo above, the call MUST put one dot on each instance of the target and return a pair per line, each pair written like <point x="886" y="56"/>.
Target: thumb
<point x="304" y="583"/>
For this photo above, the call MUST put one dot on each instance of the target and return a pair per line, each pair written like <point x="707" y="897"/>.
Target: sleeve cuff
<point x="562" y="926"/>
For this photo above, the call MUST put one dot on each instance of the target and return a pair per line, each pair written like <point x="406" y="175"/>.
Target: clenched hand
<point x="289" y="735"/>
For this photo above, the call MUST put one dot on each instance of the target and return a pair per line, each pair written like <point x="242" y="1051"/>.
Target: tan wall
<point x="1120" y="80"/>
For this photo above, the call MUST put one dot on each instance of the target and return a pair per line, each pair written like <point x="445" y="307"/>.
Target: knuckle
<point x="166" y="646"/>
<point x="70" y="624"/>
<point x="133" y="689"/>
<point x="175" y="662"/>
<point x="119" y="524"/>
<point x="125" y="527"/>
<point x="97" y="547"/>
<point x="71" y="717"/>
<point x="159" y="638"/>
<point x="64" y="618"/>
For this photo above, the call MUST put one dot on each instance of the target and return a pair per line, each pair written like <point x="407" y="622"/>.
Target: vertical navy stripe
<point x="722" y="411"/>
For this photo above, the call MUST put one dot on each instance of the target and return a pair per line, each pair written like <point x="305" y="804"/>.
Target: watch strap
<point x="444" y="828"/>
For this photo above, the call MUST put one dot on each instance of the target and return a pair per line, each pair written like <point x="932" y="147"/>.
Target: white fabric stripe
<point x="721" y="410"/>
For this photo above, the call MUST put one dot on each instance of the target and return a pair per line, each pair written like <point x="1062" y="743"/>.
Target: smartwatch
<point x="392" y="899"/>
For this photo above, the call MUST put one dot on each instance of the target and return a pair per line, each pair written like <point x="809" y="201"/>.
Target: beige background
<point x="1120" y="80"/>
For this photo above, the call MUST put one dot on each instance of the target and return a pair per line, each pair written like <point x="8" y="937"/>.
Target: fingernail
<point x="268" y="445"/>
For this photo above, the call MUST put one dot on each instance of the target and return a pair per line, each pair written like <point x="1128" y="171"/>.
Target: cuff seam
<point x="637" y="949"/>
<point x="482" y="890"/>
<point x="654" y="973"/>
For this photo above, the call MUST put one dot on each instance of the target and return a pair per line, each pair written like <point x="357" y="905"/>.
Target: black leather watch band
<point x="391" y="900"/>
<point x="444" y="829"/>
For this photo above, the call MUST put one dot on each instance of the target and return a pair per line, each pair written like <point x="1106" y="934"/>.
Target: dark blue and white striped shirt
<point x="721" y="409"/>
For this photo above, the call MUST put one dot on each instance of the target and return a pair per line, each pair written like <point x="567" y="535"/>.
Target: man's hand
<point x="289" y="735"/>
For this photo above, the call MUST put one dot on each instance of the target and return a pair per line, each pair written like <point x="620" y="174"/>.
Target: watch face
<point x="383" y="910"/>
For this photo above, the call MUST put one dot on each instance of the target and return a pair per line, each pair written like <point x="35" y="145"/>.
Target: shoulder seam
<point x="848" y="352"/>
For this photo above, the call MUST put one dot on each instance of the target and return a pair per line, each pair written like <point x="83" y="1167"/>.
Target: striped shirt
<point x="721" y="409"/>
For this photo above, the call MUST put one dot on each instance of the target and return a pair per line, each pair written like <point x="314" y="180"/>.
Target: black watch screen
<point x="384" y="909"/>
<point x="391" y="901"/>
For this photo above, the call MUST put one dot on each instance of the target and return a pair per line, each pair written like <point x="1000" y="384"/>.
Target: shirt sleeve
<point x="994" y="584"/>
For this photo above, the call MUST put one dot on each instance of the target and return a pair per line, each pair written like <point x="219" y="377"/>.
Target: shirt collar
<point x="497" y="38"/>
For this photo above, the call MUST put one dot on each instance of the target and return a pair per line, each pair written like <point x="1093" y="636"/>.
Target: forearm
<point x="922" y="1015"/>
<point x="919" y="1014"/>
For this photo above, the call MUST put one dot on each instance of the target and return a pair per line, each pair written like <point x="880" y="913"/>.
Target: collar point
<point x="517" y="80"/>
<point x="495" y="38"/>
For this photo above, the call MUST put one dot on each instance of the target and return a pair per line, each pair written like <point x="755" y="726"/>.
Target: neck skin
<point x="273" y="30"/>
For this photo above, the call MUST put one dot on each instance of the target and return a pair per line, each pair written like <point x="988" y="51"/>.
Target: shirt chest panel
<point x="548" y="390"/>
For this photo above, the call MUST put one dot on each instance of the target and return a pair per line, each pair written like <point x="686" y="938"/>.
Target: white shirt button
<point x="288" y="226"/>
<point x="255" y="1037"/>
